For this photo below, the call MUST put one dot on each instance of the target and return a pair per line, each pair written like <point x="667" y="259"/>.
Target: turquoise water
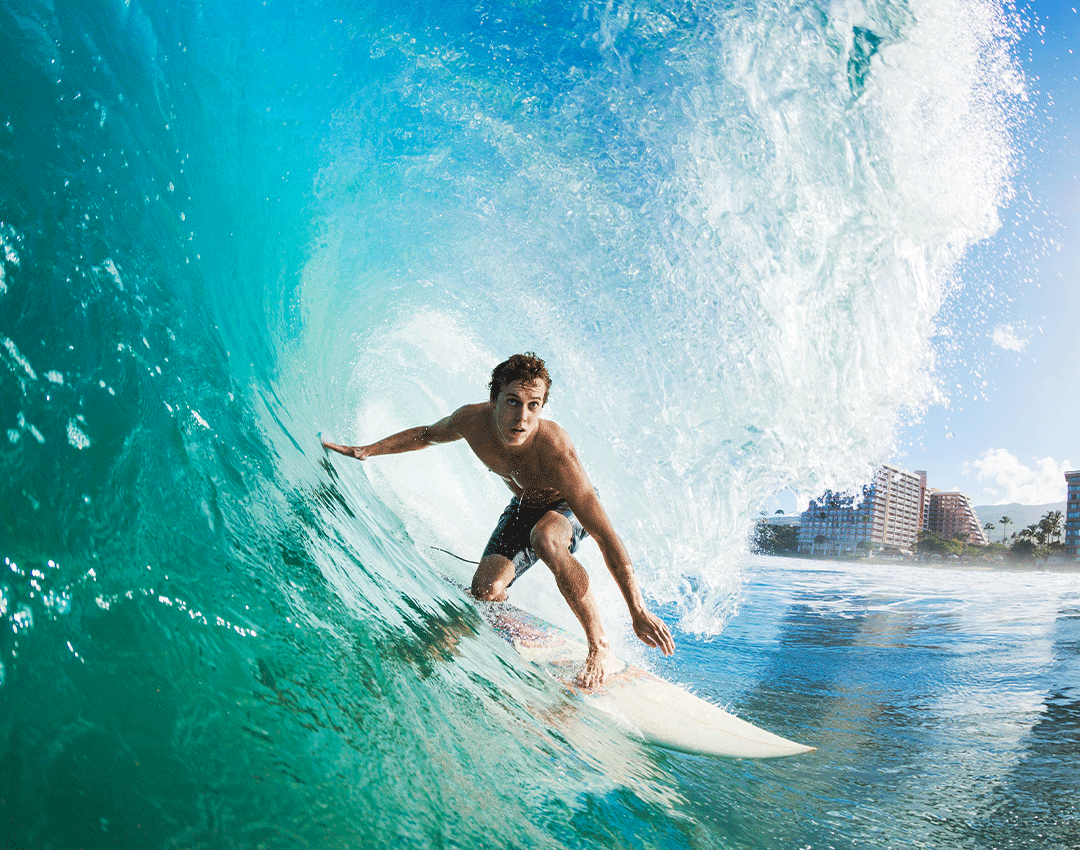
<point x="943" y="701"/>
<point x="732" y="229"/>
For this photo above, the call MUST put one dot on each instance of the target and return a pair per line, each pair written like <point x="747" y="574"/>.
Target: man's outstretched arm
<point x="409" y="440"/>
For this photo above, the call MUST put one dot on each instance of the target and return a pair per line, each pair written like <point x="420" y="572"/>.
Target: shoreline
<point x="972" y="565"/>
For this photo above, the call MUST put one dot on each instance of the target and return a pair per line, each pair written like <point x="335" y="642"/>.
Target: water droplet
<point x="22" y="619"/>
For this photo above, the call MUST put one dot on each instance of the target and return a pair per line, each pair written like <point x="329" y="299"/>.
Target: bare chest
<point x="524" y="472"/>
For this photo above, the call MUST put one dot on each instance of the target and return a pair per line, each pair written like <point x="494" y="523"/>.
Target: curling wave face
<point x="729" y="229"/>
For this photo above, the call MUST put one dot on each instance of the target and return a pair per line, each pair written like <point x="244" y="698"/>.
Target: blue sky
<point x="1010" y="440"/>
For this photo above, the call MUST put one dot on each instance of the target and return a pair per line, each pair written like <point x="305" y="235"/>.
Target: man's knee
<point x="485" y="589"/>
<point x="491" y="579"/>
<point x="541" y="545"/>
<point x="550" y="542"/>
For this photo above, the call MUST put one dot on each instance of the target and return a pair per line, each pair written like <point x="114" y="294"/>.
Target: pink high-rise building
<point x="950" y="515"/>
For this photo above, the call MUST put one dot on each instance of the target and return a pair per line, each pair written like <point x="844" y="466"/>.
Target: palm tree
<point x="1053" y="519"/>
<point x="1004" y="522"/>
<point x="988" y="528"/>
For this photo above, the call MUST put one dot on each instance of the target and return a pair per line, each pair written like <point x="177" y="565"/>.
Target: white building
<point x="889" y="513"/>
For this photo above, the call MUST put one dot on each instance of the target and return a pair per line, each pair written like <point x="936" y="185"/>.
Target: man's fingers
<point x="668" y="645"/>
<point x="655" y="633"/>
<point x="664" y="641"/>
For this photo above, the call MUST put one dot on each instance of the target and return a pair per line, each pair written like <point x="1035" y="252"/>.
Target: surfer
<point x="554" y="506"/>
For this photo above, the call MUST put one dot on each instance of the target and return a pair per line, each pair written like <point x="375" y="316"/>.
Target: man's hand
<point x="358" y="452"/>
<point x="653" y="632"/>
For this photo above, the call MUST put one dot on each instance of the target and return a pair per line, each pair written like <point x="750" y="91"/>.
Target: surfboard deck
<point x="660" y="712"/>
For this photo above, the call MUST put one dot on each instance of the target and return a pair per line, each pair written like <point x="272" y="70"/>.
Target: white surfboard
<point x="660" y="712"/>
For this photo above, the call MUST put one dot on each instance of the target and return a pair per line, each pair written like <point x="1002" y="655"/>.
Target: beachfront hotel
<point x="889" y="514"/>
<point x="894" y="508"/>
<point x="950" y="516"/>
<point x="1072" y="515"/>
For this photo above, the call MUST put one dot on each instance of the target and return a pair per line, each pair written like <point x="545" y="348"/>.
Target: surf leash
<point x="452" y="555"/>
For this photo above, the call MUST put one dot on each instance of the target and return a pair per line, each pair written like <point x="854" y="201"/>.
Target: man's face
<point x="517" y="411"/>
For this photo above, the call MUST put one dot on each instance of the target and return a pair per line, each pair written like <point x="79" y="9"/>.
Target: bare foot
<point x="598" y="667"/>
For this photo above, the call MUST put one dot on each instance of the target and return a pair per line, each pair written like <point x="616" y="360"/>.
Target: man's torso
<point x="527" y="471"/>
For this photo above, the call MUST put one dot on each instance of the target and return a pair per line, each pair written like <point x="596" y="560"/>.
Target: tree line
<point x="768" y="539"/>
<point x="1039" y="540"/>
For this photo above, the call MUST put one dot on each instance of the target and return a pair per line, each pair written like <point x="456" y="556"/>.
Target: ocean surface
<point x="736" y="232"/>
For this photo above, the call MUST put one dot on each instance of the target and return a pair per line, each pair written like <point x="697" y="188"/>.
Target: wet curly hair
<point x="519" y="367"/>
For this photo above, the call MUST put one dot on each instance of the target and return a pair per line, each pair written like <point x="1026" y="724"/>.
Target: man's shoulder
<point x="553" y="438"/>
<point x="481" y="407"/>
<point x="559" y="458"/>
<point x="470" y="417"/>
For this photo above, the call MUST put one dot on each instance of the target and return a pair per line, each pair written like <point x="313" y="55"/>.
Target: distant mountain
<point x="1021" y="516"/>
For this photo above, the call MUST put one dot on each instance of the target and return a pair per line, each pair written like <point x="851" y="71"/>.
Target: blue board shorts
<point x="511" y="535"/>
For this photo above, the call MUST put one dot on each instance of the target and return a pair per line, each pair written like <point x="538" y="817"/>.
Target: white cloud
<point x="1004" y="336"/>
<point x="1040" y="484"/>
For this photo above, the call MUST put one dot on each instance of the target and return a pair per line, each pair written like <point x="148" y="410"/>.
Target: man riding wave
<point x="553" y="508"/>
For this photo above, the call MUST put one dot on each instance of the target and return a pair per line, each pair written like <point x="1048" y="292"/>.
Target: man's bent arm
<point x="586" y="506"/>
<point x="409" y="440"/>
<point x="650" y="628"/>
